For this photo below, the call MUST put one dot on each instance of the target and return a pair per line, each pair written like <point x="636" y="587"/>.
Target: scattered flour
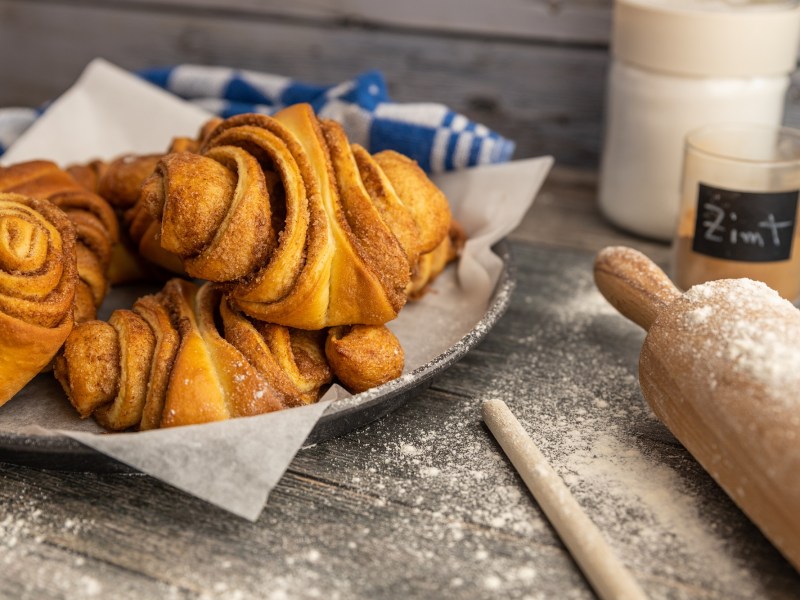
<point x="449" y="501"/>
<point x="746" y="328"/>
<point x="582" y="405"/>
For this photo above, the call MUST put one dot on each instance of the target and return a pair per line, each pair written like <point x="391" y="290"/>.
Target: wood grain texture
<point x="422" y="504"/>
<point x="545" y="90"/>
<point x="585" y="21"/>
<point x="548" y="98"/>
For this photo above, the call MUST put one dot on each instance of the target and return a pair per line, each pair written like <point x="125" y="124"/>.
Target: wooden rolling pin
<point x="720" y="366"/>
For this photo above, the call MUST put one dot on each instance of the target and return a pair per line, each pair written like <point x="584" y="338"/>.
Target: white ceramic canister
<point x="678" y="65"/>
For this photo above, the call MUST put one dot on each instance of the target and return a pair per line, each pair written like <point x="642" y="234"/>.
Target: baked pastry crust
<point x="161" y="364"/>
<point x="364" y="356"/>
<point x="95" y="224"/>
<point x="184" y="356"/>
<point x="310" y="245"/>
<point x="38" y="278"/>
<point x="303" y="229"/>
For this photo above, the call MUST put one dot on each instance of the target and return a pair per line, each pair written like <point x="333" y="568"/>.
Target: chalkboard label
<point x="745" y="226"/>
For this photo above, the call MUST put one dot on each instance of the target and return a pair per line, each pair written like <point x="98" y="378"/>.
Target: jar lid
<point x="723" y="38"/>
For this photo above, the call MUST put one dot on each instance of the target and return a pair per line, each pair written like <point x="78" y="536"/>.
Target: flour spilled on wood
<point x="448" y="489"/>
<point x="25" y="531"/>
<point x="448" y="516"/>
<point x="32" y="544"/>
<point x="589" y="425"/>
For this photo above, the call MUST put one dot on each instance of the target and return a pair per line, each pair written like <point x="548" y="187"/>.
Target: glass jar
<point x="677" y="66"/>
<point x="739" y="207"/>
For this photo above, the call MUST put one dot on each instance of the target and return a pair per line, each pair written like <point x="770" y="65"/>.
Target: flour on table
<point x="588" y="424"/>
<point x="750" y="330"/>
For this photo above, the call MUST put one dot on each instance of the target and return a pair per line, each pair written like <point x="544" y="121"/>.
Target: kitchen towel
<point x="430" y="133"/>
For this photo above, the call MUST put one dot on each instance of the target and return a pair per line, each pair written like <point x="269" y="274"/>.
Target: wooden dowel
<point x="608" y="576"/>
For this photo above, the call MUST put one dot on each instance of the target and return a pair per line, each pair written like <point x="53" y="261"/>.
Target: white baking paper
<point x="106" y="113"/>
<point x="235" y="464"/>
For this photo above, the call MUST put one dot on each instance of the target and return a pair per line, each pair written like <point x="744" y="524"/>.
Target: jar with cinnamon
<point x="739" y="207"/>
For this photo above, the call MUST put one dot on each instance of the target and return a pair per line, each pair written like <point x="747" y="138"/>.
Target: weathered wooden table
<point x="423" y="504"/>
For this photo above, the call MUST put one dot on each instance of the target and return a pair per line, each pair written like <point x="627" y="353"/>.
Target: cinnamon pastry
<point x="89" y="174"/>
<point x="94" y="221"/>
<point x="119" y="181"/>
<point x="122" y="178"/>
<point x="364" y="356"/>
<point x="304" y="229"/>
<point x="298" y="362"/>
<point x="293" y="360"/>
<point x="431" y="264"/>
<point x="37" y="286"/>
<point x="164" y="364"/>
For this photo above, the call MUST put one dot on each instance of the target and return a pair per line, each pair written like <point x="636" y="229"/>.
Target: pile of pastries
<point x="284" y="250"/>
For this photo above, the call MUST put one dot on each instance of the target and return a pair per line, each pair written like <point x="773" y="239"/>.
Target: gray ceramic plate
<point x="61" y="453"/>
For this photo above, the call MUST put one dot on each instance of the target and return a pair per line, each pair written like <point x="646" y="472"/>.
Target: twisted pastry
<point x="306" y="230"/>
<point x="431" y="264"/>
<point x="119" y="183"/>
<point x="37" y="287"/>
<point x="89" y="174"/>
<point x="293" y="360"/>
<point x="297" y="361"/>
<point x="164" y="364"/>
<point x="95" y="224"/>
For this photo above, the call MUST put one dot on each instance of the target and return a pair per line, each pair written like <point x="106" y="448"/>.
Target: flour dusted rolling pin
<point x="720" y="366"/>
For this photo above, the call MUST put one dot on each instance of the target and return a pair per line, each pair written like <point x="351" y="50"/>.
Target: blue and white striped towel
<point x="436" y="137"/>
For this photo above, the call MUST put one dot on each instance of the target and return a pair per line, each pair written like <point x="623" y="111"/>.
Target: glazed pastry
<point x="38" y="278"/>
<point x="95" y="224"/>
<point x="306" y="230"/>
<point x="161" y="364"/>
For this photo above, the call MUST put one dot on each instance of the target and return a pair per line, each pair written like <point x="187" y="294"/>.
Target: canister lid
<point x="708" y="37"/>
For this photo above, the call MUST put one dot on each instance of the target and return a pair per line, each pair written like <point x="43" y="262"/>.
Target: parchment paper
<point x="235" y="464"/>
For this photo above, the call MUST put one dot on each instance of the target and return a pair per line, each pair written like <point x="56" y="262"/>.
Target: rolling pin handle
<point x="633" y="284"/>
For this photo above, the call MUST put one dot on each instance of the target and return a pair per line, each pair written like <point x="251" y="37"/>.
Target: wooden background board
<point x="534" y="70"/>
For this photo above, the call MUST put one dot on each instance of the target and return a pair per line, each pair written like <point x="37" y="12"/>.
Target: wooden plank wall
<point x="534" y="70"/>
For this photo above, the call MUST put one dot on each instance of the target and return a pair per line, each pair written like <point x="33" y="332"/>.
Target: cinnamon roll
<point x="95" y="224"/>
<point x="38" y="277"/>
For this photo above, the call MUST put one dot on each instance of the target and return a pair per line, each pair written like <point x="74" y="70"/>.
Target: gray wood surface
<point x="422" y="504"/>
<point x="534" y="71"/>
<point x="585" y="21"/>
